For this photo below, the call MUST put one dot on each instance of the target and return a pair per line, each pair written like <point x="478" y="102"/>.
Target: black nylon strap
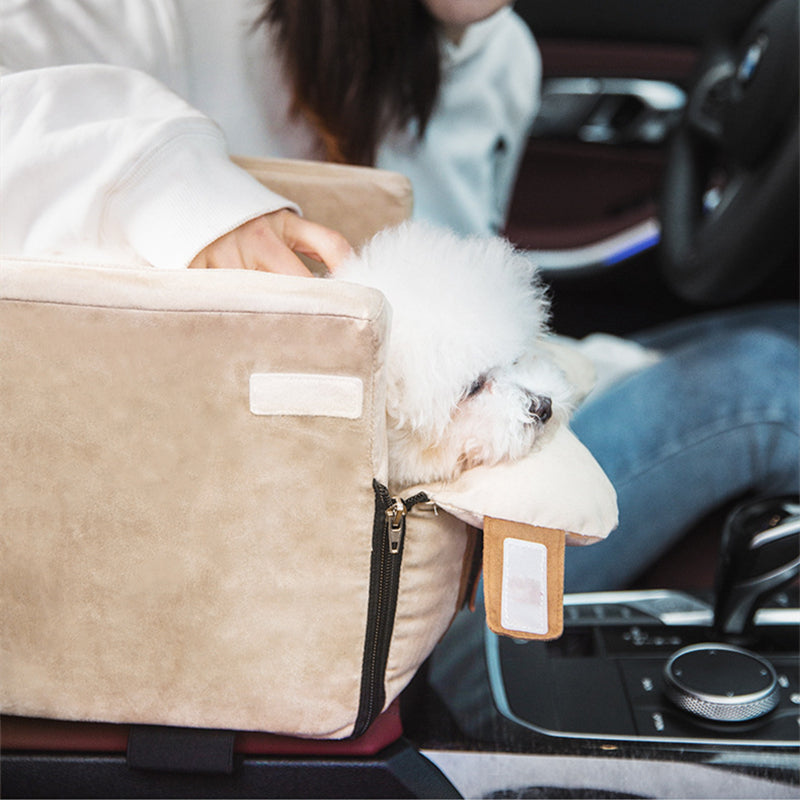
<point x="167" y="749"/>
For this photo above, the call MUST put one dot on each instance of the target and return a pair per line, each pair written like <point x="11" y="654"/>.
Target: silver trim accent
<point x="673" y="608"/>
<point x="777" y="616"/>
<point x="589" y="109"/>
<point x="657" y="95"/>
<point x="786" y="569"/>
<point x="602" y="254"/>
<point x="786" y="528"/>
<point x="666" y="606"/>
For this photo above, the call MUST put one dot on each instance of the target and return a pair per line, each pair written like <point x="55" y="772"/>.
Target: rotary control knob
<point x="721" y="682"/>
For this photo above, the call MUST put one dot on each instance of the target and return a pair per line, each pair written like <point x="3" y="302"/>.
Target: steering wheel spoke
<point x="721" y="193"/>
<point x="708" y="105"/>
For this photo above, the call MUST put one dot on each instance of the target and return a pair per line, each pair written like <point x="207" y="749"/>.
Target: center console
<point x="667" y="693"/>
<point x="672" y="666"/>
<point x="651" y="666"/>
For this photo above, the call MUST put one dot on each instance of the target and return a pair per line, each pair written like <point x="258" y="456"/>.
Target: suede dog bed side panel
<point x="166" y="555"/>
<point x="436" y="555"/>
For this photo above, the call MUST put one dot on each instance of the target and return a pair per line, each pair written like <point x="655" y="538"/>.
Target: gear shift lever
<point x="760" y="553"/>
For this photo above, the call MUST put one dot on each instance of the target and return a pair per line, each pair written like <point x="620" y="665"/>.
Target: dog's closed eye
<point x="476" y="386"/>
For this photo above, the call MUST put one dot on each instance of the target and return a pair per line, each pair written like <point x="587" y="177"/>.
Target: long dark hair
<point x="357" y="68"/>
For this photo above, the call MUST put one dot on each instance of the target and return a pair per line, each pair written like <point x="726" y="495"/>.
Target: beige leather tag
<point x="523" y="579"/>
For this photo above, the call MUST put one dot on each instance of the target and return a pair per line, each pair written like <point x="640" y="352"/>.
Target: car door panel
<point x="592" y="168"/>
<point x="587" y="196"/>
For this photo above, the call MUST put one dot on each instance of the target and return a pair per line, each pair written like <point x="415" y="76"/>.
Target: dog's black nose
<point x="541" y="408"/>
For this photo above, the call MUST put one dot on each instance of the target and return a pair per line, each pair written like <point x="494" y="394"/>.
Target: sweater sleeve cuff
<point x="186" y="195"/>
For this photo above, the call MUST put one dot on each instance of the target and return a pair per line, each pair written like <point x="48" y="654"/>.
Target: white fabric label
<point x="524" y="599"/>
<point x="294" y="394"/>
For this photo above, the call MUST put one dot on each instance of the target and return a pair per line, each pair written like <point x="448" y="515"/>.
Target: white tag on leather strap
<point x="523" y="579"/>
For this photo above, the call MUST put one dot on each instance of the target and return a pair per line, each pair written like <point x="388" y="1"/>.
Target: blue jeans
<point x="716" y="417"/>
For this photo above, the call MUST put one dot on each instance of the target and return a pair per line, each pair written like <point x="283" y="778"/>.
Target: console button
<point x="669" y="723"/>
<point x="646" y="640"/>
<point x="642" y="679"/>
<point x="660" y="722"/>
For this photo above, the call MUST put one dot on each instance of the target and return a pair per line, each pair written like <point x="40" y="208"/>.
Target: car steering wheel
<point x="730" y="196"/>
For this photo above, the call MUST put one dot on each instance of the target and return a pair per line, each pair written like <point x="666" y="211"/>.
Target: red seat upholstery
<point x="28" y="734"/>
<point x="52" y="758"/>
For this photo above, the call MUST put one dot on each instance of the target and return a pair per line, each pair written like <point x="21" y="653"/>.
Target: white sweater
<point x="117" y="117"/>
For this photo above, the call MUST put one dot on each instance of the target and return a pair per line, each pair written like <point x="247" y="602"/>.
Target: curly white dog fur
<point x="467" y="381"/>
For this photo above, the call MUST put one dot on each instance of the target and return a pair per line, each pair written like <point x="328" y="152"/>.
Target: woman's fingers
<point x="269" y="243"/>
<point x="315" y="241"/>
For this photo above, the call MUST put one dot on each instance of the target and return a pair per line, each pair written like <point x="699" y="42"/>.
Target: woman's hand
<point x="269" y="243"/>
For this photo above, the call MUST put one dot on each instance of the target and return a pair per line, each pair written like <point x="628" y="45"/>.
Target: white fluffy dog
<point x="468" y="382"/>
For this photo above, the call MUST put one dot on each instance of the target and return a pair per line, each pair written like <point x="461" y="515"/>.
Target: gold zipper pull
<point x="395" y="524"/>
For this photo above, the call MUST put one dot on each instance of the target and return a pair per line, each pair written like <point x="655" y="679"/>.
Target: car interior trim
<point x="636" y="239"/>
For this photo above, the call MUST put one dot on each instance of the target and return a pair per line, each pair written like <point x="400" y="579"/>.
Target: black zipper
<point x="388" y="537"/>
